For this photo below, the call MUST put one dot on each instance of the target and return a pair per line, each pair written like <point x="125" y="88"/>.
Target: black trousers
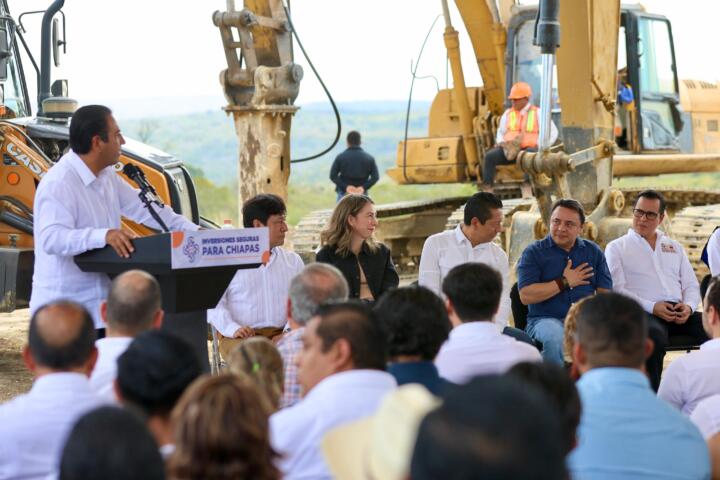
<point x="660" y="332"/>
<point x="493" y="158"/>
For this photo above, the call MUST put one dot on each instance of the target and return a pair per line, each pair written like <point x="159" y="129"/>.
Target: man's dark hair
<point x="480" y="206"/>
<point x="474" y="289"/>
<point x="72" y="352"/>
<point x="554" y="381"/>
<point x="133" y="301"/>
<point x="110" y="443"/>
<point x="353" y="138"/>
<point x="711" y="298"/>
<point x="261" y="207"/>
<point x="415" y="320"/>
<point x="87" y="122"/>
<point x="612" y="330"/>
<point x="652" y="195"/>
<point x="570" y="204"/>
<point x="155" y="370"/>
<point x="493" y="428"/>
<point x="360" y="327"/>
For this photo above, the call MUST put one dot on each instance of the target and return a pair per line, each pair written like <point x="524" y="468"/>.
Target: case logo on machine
<point x="25" y="160"/>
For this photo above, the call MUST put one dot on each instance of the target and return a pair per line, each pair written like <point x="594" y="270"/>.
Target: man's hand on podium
<point x="244" y="332"/>
<point x="121" y="241"/>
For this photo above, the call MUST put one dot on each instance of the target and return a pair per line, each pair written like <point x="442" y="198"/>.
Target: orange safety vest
<point x="525" y="122"/>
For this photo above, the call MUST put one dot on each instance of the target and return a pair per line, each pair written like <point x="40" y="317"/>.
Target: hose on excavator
<point x="327" y="92"/>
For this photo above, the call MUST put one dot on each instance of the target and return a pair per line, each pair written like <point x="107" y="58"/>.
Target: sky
<point x="121" y="52"/>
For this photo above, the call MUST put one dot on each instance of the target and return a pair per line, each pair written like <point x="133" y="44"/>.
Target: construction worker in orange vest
<point x="518" y="130"/>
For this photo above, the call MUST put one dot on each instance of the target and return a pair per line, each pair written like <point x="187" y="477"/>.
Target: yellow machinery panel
<point x="430" y="160"/>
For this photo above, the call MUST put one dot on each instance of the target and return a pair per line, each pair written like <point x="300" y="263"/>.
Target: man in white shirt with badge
<point x="77" y="208"/>
<point x="342" y="371"/>
<point x="255" y="302"/>
<point x="475" y="345"/>
<point x="696" y="376"/>
<point x="132" y="307"/>
<point x="33" y="426"/>
<point x="651" y="268"/>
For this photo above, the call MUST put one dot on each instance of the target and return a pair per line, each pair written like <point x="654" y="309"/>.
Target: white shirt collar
<point x="461" y="238"/>
<point x="637" y="236"/>
<point x="60" y="382"/>
<point x="712" y="344"/>
<point x="349" y="380"/>
<point x="477" y="329"/>
<point x="86" y="175"/>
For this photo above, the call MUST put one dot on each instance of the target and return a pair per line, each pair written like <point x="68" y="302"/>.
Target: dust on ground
<point x="14" y="377"/>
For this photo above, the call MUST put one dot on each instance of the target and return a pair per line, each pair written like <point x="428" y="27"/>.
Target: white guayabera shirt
<point x="74" y="210"/>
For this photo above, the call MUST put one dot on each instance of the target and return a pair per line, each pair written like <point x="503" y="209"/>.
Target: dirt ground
<point x="14" y="377"/>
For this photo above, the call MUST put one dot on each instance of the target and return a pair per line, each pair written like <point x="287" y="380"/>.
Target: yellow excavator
<point x="31" y="144"/>
<point x="672" y="127"/>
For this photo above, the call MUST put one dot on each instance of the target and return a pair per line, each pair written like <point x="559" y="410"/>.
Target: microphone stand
<point x="145" y="197"/>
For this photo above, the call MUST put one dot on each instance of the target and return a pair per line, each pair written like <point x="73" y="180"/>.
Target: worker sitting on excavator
<point x="518" y="130"/>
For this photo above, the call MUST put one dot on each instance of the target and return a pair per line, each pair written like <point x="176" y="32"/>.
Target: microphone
<point x="146" y="190"/>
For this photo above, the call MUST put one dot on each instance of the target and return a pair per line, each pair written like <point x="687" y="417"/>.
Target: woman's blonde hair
<point x="221" y="431"/>
<point x="338" y="233"/>
<point x="258" y="360"/>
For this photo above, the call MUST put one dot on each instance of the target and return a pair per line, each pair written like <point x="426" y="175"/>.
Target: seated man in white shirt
<point x="342" y="372"/>
<point x="61" y="354"/>
<point x="132" y="307"/>
<point x="471" y="241"/>
<point x="255" y="302"/>
<point x="651" y="268"/>
<point x="696" y="376"/>
<point x="78" y="206"/>
<point x="476" y="346"/>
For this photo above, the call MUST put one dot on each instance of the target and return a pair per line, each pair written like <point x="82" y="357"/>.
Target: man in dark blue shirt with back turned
<point x="557" y="271"/>
<point x="354" y="170"/>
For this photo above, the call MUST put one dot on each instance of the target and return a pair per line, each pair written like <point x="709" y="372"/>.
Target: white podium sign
<point x="212" y="248"/>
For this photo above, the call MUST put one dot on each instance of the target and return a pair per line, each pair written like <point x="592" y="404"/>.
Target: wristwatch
<point x="562" y="283"/>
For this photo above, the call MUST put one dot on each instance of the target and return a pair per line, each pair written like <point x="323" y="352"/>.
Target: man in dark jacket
<point x="354" y="170"/>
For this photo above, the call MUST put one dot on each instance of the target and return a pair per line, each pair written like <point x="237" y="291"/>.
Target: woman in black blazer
<point x="348" y="244"/>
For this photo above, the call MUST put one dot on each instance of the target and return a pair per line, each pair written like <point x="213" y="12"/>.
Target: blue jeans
<point x="549" y="331"/>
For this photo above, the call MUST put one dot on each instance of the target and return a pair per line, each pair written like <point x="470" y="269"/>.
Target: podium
<point x="193" y="270"/>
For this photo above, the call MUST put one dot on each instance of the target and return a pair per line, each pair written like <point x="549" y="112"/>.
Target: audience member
<point x="625" y="430"/>
<point x="553" y="380"/>
<point x="348" y="243"/>
<point x="651" y="268"/>
<point x="696" y="376"/>
<point x="706" y="417"/>
<point x="341" y="369"/>
<point x="317" y="283"/>
<point x="417" y="324"/>
<point x="476" y="345"/>
<point x="132" y="307"/>
<point x="111" y="444"/>
<point x="470" y="241"/>
<point x="493" y="428"/>
<point x="153" y="372"/>
<point x="255" y="301"/>
<point x="259" y="361"/>
<point x="61" y="354"/>
<point x="221" y="432"/>
<point x="557" y="271"/>
<point x="569" y="330"/>
<point x="379" y="447"/>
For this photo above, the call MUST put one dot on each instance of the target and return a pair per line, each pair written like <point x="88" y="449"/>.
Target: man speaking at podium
<point x="78" y="206"/>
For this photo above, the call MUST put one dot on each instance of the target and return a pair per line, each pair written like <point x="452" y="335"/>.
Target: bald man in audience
<point x="133" y="306"/>
<point x="61" y="354"/>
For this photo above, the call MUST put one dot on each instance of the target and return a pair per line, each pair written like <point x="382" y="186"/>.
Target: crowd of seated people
<point x="368" y="380"/>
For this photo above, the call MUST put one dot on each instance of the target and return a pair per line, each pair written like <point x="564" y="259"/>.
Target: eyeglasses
<point x="642" y="213"/>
